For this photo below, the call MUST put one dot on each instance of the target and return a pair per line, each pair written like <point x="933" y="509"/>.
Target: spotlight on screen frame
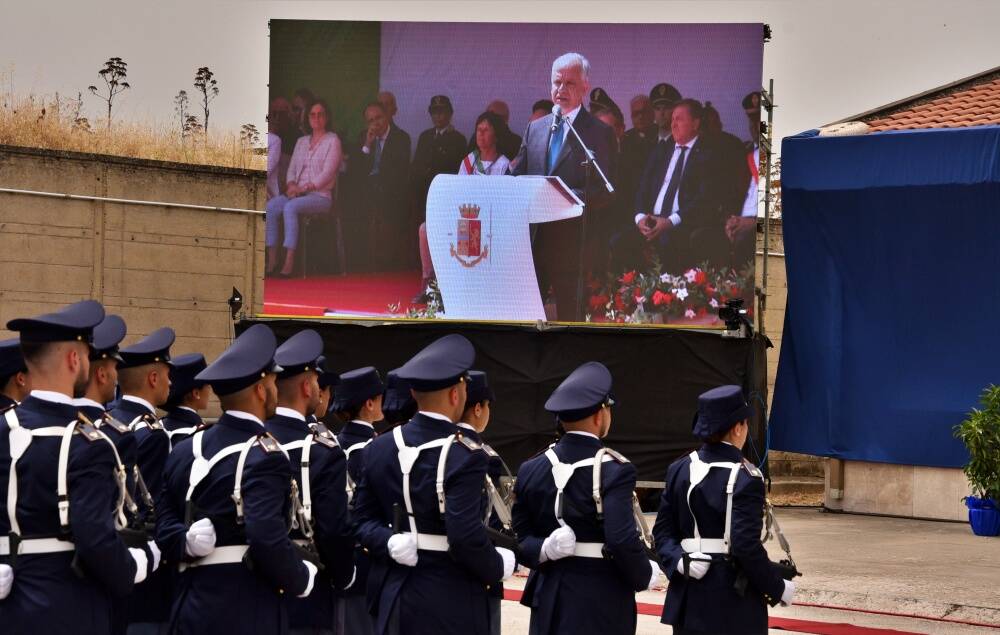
<point x="735" y="317"/>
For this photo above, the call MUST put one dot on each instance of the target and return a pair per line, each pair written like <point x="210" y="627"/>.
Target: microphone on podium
<point x="556" y="118"/>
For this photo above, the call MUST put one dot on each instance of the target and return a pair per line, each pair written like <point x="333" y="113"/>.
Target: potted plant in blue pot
<point x="980" y="432"/>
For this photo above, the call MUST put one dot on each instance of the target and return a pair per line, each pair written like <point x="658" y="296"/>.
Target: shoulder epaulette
<point x="468" y="443"/>
<point x="152" y="422"/>
<point x="750" y="467"/>
<point x="323" y="436"/>
<point x="490" y="450"/>
<point x="118" y="426"/>
<point x="268" y="443"/>
<point x="9" y="407"/>
<point x="616" y="455"/>
<point x="87" y="429"/>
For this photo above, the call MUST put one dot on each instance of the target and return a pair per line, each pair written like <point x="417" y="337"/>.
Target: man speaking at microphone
<point x="550" y="148"/>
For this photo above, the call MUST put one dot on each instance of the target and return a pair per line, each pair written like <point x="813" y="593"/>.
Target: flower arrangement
<point x="652" y="296"/>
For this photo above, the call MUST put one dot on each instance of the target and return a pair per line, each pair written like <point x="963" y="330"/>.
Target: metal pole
<point x="766" y="151"/>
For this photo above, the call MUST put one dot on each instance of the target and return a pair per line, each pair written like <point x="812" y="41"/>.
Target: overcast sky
<point x="828" y="59"/>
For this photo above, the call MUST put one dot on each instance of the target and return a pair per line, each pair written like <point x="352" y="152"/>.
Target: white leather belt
<point x="704" y="545"/>
<point x="302" y="542"/>
<point x="230" y="554"/>
<point x="36" y="546"/>
<point x="589" y="550"/>
<point x="432" y="542"/>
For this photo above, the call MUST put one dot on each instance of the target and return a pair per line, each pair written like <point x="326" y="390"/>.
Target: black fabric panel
<point x="658" y="375"/>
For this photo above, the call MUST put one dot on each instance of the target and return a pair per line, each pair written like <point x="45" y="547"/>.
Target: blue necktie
<point x="377" y="160"/>
<point x="555" y="145"/>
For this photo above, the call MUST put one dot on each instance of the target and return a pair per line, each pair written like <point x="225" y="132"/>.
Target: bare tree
<point x="249" y="135"/>
<point x="181" y="102"/>
<point x="204" y="81"/>
<point x="114" y="72"/>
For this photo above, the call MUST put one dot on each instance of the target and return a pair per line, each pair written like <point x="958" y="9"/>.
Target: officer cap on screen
<point x="11" y="360"/>
<point x="478" y="389"/>
<point x="151" y="349"/>
<point x="719" y="409"/>
<point x="75" y="322"/>
<point x="441" y="364"/>
<point x="356" y="387"/>
<point x="107" y="336"/>
<point x="584" y="392"/>
<point x="440" y="102"/>
<point x="248" y="359"/>
<point x="601" y="101"/>
<point x="664" y="94"/>
<point x="299" y="354"/>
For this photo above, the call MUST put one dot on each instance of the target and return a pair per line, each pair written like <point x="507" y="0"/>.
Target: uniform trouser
<point x="148" y="628"/>
<point x="286" y="211"/>
<point x="351" y="617"/>
<point x="494" y="616"/>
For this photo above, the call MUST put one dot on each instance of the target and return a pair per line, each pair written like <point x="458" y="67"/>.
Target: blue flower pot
<point x="984" y="516"/>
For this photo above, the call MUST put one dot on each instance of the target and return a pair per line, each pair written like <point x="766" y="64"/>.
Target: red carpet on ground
<point x="364" y="294"/>
<point x="780" y="623"/>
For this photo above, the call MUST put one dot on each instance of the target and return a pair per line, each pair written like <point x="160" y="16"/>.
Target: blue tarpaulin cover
<point x="892" y="327"/>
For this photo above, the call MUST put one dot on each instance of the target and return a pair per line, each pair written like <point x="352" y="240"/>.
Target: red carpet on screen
<point x="363" y="294"/>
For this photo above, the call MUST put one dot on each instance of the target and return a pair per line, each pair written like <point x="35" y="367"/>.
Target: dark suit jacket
<point x="531" y="159"/>
<point x="699" y="195"/>
<point x="391" y="183"/>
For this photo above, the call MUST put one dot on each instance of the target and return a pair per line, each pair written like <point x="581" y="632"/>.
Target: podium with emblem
<point x="479" y="234"/>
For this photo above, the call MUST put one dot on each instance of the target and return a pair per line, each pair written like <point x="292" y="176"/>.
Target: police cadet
<point x="321" y="528"/>
<point x="144" y="378"/>
<point x="708" y="529"/>
<point x="573" y="515"/>
<point x="64" y="486"/>
<point x="327" y="380"/>
<point x="14" y="386"/>
<point x="478" y="403"/>
<point x="103" y="378"/>
<point x="398" y="405"/>
<point x="358" y="400"/>
<point x="419" y="503"/>
<point x="226" y="505"/>
<point x="187" y="397"/>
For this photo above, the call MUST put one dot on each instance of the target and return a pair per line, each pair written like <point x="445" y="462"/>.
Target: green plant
<point x="980" y="432"/>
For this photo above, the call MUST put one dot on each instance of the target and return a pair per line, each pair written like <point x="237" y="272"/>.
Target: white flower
<point x="640" y="300"/>
<point x="681" y="293"/>
<point x="689" y="313"/>
<point x="713" y="303"/>
<point x="665" y="278"/>
<point x="691" y="275"/>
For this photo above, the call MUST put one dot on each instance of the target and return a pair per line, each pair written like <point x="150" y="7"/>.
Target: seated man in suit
<point x="381" y="168"/>
<point x="679" y="203"/>
<point x="551" y="149"/>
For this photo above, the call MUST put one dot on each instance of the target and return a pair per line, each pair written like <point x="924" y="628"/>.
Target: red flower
<point x="661" y="298"/>
<point x="619" y="302"/>
<point x="598" y="302"/>
<point x="629" y="277"/>
<point x="700" y="277"/>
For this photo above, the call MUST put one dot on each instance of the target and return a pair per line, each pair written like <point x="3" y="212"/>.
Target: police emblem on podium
<point x="471" y="249"/>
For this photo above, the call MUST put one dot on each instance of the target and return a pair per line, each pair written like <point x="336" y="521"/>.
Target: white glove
<point x="313" y="570"/>
<point x="654" y="576"/>
<point x="560" y="544"/>
<point x="697" y="567"/>
<point x="6" y="580"/>
<point x="200" y="539"/>
<point x="141" y="562"/>
<point x="155" y="550"/>
<point x="788" y="593"/>
<point x="509" y="561"/>
<point x="403" y="549"/>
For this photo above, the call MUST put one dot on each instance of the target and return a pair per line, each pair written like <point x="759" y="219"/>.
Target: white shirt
<point x="364" y="423"/>
<point x="381" y="138"/>
<point x="54" y="397"/>
<point x="658" y="210"/>
<point x="142" y="402"/>
<point x="83" y="401"/>
<point x="571" y="116"/>
<point x="282" y="411"/>
<point x="435" y="415"/>
<point x="497" y="167"/>
<point x="584" y="434"/>
<point x="750" y="202"/>
<point x="188" y="409"/>
<point x="462" y="424"/>
<point x="239" y="414"/>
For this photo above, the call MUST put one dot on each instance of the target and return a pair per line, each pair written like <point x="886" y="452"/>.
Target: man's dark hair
<point x="33" y="352"/>
<point x="542" y="104"/>
<point x="694" y="107"/>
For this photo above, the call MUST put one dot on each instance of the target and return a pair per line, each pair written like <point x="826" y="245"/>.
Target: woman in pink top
<point x="312" y="176"/>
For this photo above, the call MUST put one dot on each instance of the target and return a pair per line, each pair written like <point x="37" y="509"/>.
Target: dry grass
<point x="54" y="123"/>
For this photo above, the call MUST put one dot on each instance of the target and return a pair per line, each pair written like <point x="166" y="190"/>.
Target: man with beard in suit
<point x="549" y="148"/>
